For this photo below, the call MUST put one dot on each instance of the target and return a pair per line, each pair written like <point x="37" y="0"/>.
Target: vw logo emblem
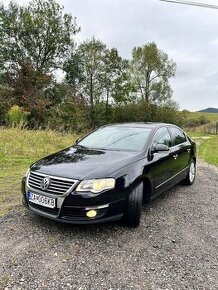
<point x="45" y="183"/>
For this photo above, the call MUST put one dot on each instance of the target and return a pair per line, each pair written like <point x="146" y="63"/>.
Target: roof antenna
<point x="191" y="3"/>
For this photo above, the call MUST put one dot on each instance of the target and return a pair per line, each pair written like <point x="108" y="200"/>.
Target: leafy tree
<point x="68" y="111"/>
<point x="39" y="33"/>
<point x="150" y="71"/>
<point x="73" y="68"/>
<point x="85" y="68"/>
<point x="114" y="78"/>
<point x="99" y="74"/>
<point x="34" y="40"/>
<point x="27" y="87"/>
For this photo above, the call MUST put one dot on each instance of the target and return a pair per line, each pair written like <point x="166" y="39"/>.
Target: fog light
<point x="91" y="213"/>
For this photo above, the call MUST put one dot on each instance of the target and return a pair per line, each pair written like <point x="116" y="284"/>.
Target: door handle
<point x="188" y="150"/>
<point x="175" y="156"/>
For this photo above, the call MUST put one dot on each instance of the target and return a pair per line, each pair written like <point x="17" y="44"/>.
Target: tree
<point x="150" y="71"/>
<point x="85" y="68"/>
<point x="68" y="111"/>
<point x="27" y="89"/>
<point x="39" y="33"/>
<point x="34" y="41"/>
<point x="114" y="78"/>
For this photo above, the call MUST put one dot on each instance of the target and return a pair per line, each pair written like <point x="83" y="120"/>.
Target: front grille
<point x="58" y="185"/>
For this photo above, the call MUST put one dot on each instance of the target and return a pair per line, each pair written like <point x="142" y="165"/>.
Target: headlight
<point x="96" y="185"/>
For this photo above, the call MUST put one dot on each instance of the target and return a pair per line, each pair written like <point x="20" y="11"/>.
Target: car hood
<point x="81" y="163"/>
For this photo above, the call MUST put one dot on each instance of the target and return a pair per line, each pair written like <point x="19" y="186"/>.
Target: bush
<point x="192" y="123"/>
<point x="203" y="120"/>
<point x="144" y="112"/>
<point x="17" y="117"/>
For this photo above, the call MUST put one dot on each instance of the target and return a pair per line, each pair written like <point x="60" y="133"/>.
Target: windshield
<point x="117" y="138"/>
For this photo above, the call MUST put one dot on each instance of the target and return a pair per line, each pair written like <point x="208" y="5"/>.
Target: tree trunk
<point x="106" y="109"/>
<point x="147" y="99"/>
<point x="92" y="119"/>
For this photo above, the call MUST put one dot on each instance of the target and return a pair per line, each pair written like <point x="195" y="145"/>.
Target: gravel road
<point x="175" y="246"/>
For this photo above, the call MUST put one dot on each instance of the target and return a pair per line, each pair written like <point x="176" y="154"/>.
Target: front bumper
<point x="72" y="208"/>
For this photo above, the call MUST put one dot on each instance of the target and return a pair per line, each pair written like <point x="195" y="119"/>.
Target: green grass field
<point x="207" y="146"/>
<point x="196" y="115"/>
<point x="208" y="150"/>
<point x="20" y="148"/>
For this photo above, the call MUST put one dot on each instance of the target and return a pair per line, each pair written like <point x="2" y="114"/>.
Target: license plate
<point x="41" y="200"/>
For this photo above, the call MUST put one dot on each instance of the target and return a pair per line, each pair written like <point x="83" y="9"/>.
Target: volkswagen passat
<point x="108" y="174"/>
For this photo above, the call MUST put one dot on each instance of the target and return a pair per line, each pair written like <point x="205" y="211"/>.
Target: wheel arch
<point x="147" y="188"/>
<point x="194" y="158"/>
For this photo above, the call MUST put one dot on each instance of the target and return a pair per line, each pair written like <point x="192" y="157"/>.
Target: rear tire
<point x="134" y="205"/>
<point x="189" y="180"/>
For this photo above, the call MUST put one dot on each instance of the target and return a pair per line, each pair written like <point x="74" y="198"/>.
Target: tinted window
<point x="178" y="136"/>
<point x="117" y="138"/>
<point x="162" y="136"/>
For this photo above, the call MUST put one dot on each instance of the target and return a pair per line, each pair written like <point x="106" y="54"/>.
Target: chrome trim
<point x="54" y="194"/>
<point x="97" y="207"/>
<point x="171" y="177"/>
<point x="52" y="176"/>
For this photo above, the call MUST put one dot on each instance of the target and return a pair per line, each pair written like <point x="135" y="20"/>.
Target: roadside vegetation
<point x="18" y="150"/>
<point x="211" y="117"/>
<point x="208" y="148"/>
<point x="207" y="145"/>
<point x="38" y="41"/>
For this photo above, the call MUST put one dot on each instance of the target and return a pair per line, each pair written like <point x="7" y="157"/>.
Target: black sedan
<point x="110" y="173"/>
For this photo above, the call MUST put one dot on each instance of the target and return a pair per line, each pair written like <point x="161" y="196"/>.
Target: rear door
<point x="162" y="164"/>
<point x="181" y="148"/>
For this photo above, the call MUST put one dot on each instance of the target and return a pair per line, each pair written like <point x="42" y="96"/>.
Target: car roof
<point x="151" y="125"/>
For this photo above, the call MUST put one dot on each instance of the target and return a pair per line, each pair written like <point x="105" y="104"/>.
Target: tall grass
<point x="18" y="150"/>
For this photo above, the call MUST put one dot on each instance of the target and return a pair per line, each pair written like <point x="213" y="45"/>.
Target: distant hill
<point x="209" y="110"/>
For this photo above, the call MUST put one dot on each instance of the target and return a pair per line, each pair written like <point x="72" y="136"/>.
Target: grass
<point x="18" y="150"/>
<point x="208" y="150"/>
<point x="207" y="146"/>
<point x="196" y="115"/>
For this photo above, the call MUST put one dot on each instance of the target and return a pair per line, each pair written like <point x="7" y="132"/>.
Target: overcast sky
<point x="187" y="34"/>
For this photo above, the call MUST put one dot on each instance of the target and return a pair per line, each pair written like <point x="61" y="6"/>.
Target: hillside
<point x="212" y="117"/>
<point x="209" y="110"/>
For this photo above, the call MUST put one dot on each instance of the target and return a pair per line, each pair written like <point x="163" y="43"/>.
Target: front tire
<point x="134" y="205"/>
<point x="189" y="180"/>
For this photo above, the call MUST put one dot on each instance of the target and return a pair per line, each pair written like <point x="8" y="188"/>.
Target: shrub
<point x="203" y="120"/>
<point x="17" y="117"/>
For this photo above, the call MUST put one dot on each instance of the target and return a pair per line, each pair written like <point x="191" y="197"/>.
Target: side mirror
<point x="160" y="148"/>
